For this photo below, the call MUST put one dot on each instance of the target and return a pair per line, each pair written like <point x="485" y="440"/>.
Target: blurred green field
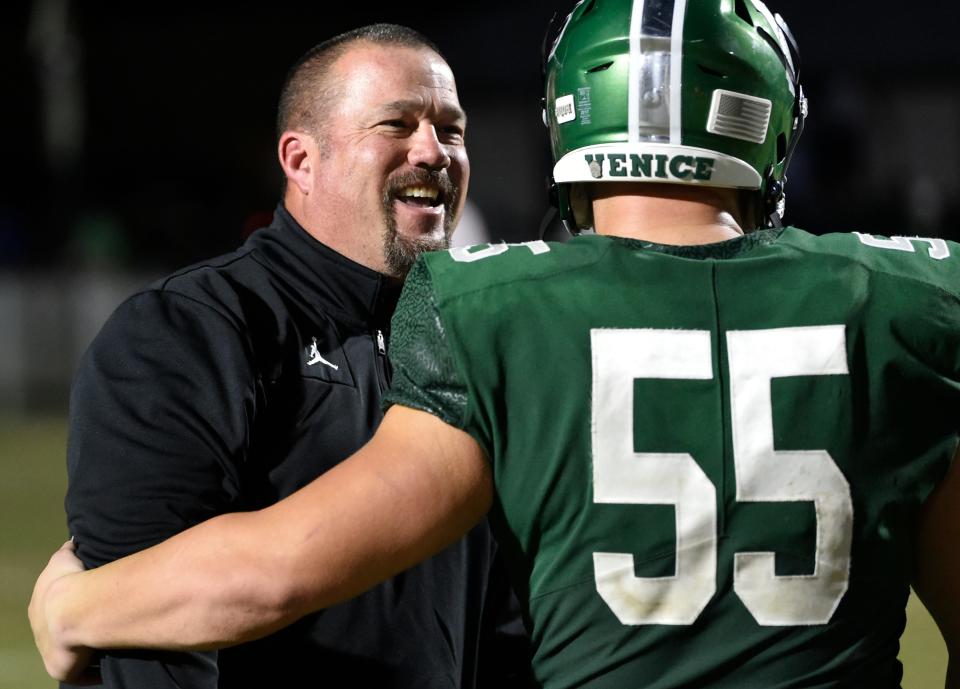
<point x="32" y="525"/>
<point x="31" y="515"/>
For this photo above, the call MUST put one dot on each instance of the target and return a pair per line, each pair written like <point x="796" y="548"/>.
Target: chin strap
<point x="548" y="218"/>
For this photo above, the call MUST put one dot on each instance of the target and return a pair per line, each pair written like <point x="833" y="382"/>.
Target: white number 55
<point x="763" y="474"/>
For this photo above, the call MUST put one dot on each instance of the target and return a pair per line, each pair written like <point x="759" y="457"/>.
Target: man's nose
<point x="426" y="150"/>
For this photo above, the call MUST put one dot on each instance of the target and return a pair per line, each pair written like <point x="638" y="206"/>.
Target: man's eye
<point x="396" y="124"/>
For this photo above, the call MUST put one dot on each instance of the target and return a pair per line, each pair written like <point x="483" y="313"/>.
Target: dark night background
<point x="141" y="135"/>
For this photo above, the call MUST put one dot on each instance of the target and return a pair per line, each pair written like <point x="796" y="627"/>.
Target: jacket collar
<point x="339" y="286"/>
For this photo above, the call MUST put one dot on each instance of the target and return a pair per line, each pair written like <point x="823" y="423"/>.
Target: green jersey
<point x="708" y="461"/>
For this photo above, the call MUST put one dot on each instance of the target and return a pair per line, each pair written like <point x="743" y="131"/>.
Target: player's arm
<point x="937" y="576"/>
<point x="416" y="487"/>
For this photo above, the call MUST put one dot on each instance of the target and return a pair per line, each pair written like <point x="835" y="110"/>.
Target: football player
<point x="717" y="451"/>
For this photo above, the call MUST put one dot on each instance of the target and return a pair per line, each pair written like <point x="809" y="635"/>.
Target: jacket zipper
<point x="383" y="375"/>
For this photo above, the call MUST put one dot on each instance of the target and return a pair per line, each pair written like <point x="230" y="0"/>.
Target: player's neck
<point x="667" y="214"/>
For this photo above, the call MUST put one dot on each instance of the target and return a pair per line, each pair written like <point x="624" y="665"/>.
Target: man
<point x="233" y="383"/>
<point x="714" y="459"/>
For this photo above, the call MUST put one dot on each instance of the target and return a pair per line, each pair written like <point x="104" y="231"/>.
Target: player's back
<point x="708" y="460"/>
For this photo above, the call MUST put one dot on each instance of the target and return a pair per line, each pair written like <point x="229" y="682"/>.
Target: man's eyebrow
<point x="405" y="105"/>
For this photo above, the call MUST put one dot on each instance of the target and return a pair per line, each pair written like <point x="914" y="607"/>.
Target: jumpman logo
<point x="313" y="356"/>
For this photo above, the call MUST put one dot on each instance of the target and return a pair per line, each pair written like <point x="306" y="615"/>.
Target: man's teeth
<point x="420" y="192"/>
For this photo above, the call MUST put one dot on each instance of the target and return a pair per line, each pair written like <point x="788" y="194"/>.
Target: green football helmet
<point x="703" y="92"/>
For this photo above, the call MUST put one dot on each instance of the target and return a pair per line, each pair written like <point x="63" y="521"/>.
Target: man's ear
<point x="297" y="152"/>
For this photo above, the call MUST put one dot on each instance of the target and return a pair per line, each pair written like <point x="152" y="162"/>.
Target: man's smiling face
<point x="393" y="165"/>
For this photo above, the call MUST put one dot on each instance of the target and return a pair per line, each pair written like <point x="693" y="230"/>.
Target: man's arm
<point x="416" y="487"/>
<point x="937" y="575"/>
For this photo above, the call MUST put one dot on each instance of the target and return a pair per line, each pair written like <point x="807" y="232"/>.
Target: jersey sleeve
<point x="425" y="375"/>
<point x="159" y="414"/>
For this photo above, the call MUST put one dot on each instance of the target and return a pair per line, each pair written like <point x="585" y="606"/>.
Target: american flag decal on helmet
<point x="739" y="116"/>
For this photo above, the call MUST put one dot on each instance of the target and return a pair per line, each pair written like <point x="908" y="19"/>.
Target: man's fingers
<point x="64" y="560"/>
<point x="72" y="666"/>
<point x="61" y="661"/>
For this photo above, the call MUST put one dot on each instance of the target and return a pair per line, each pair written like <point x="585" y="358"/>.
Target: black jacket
<point x="226" y="387"/>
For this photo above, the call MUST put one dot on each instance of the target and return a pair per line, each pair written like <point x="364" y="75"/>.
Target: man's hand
<point x="63" y="662"/>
